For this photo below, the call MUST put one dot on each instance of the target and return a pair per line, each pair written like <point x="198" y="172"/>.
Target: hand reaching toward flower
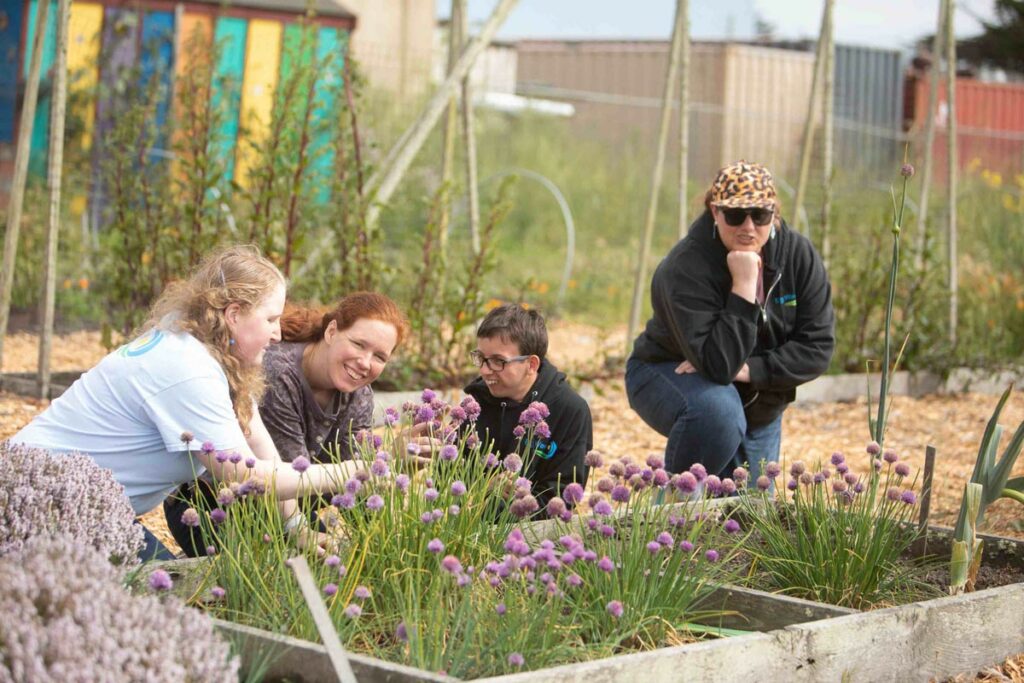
<point x="686" y="368"/>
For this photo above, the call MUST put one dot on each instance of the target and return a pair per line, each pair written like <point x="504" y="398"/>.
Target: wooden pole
<point x="812" y="119"/>
<point x="951" y="165"/>
<point x="929" y="134"/>
<point x="322" y="620"/>
<point x="28" y="114"/>
<point x="684" y="120"/>
<point x="56" y="163"/>
<point x="828" y="136"/>
<point x="469" y="133"/>
<point x="381" y="186"/>
<point x="659" y="167"/>
<point x="448" y="133"/>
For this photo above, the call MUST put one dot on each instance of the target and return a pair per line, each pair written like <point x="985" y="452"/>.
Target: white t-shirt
<point x="130" y="411"/>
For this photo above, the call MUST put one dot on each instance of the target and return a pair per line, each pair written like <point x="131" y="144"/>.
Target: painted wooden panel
<point x="41" y="123"/>
<point x="230" y="35"/>
<point x="84" y="28"/>
<point x="330" y="51"/>
<point x="10" y="37"/>
<point x="263" y="52"/>
<point x="156" y="65"/>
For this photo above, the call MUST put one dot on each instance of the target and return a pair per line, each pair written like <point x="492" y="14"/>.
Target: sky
<point x="879" y="23"/>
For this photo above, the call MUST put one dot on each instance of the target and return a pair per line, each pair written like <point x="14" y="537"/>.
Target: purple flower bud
<point x="605" y="484"/>
<point x="893" y="493"/>
<point x="728" y="487"/>
<point x="739" y="475"/>
<point x="614" y="608"/>
<point x="412" y="449"/>
<point x="330" y="589"/>
<point x="500" y="609"/>
<point x="902" y="469"/>
<point x="458" y="488"/>
<point x="449" y="453"/>
<point x="605" y="564"/>
<point x="428" y="395"/>
<point x="524" y="507"/>
<point x="907" y="171"/>
<point x="300" y="464"/>
<point x="423" y="414"/>
<point x="617" y="469"/>
<point x="160" y="580"/>
<point x="842" y="468"/>
<point x="221" y="457"/>
<point x="711" y="555"/>
<point x="655" y="461"/>
<point x="435" y="546"/>
<point x="850" y="478"/>
<point x="431" y="495"/>
<point x="218" y="593"/>
<point x="686" y="546"/>
<point x="518" y="431"/>
<point x="454" y="510"/>
<point x="908" y="497"/>
<point x="607" y="531"/>
<point x="837" y="458"/>
<point x="353" y="611"/>
<point x="772" y="469"/>
<point x="807" y="478"/>
<point x="211" y="550"/>
<point x="374" y="502"/>
<point x="660" y="478"/>
<point x="653" y="547"/>
<point x="791" y="485"/>
<point x="699" y="471"/>
<point x="391" y="416"/>
<point x="819" y="477"/>
<point x="873" y="448"/>
<point x="686" y="482"/>
<point x="512" y="462"/>
<point x="543" y="429"/>
<point x="620" y="494"/>
<point x="451" y="564"/>
<point x="877" y="464"/>
<point x="858" y="487"/>
<point x="593" y="459"/>
<point x="217" y="515"/>
<point x="379" y="468"/>
<point x="402" y="482"/>
<point x="515" y="659"/>
<point x="207" y="447"/>
<point x="225" y="497"/>
<point x="839" y="486"/>
<point x="572" y="494"/>
<point x="890" y="456"/>
<point x="763" y="483"/>
<point x="332" y="560"/>
<point x="797" y="468"/>
<point x="574" y="580"/>
<point x="250" y="462"/>
<point x="603" y="508"/>
<point x="346" y="501"/>
<point x="713" y="485"/>
<point x="731" y="526"/>
<point x="187" y="437"/>
<point x="190" y="517"/>
<point x="665" y="538"/>
<point x="556" y="506"/>
<point x="362" y="593"/>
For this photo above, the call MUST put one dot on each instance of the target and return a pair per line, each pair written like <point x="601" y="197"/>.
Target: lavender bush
<point x="82" y="625"/>
<point x="41" y="493"/>
<point x="433" y="567"/>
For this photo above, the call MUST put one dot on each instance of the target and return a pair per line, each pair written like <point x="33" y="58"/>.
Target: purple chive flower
<point x="607" y="531"/>
<point x="449" y="453"/>
<point x="524" y="507"/>
<point x="543" y="430"/>
<point x="842" y="468"/>
<point x="516" y="659"/>
<point x="207" y="447"/>
<point x="797" y="468"/>
<point x="614" y="608"/>
<point x="620" y="494"/>
<point x="519" y="431"/>
<point x="500" y="609"/>
<point x="685" y="546"/>
<point x="877" y="464"/>
<point x="218" y="592"/>
<point x="353" y="611"/>
<point x="250" y="462"/>
<point x="362" y="476"/>
<point x="225" y="497"/>
<point x="893" y="493"/>
<point x="902" y="469"/>
<point x="660" y="478"/>
<point x="472" y="408"/>
<point x="235" y="457"/>
<point x="451" y="564"/>
<point x="435" y="546"/>
<point x="731" y="526"/>
<point x="837" y="459"/>
<point x="605" y="564"/>
<point x="330" y="589"/>
<point x="631" y="470"/>
<point x="665" y="538"/>
<point x="873" y="448"/>
<point x="572" y="494"/>
<point x="374" y="502"/>
<point x="603" y="508"/>
<point x="593" y="459"/>
<point x="555" y="507"/>
<point x="491" y="460"/>
<point x="858" y="487"/>
<point x="402" y="482"/>
<point x="217" y="516"/>
<point x="739" y="475"/>
<point x="820" y="477"/>
<point x="908" y="497"/>
<point x="401" y="632"/>
<point x="300" y="464"/>
<point x="686" y="482"/>
<point x="653" y="547"/>
<point x="160" y="580"/>
<point x="458" y="488"/>
<point x="379" y="468"/>
<point x="791" y="484"/>
<point x="221" y="457"/>
<point x="190" y="517"/>
<point x="391" y="417"/>
<point x="605" y="484"/>
<point x="728" y="487"/>
<point x="427" y="517"/>
<point x="431" y="494"/>
<point x="362" y="593"/>
<point x="807" y="478"/>
<point x="617" y="469"/>
<point x="574" y="580"/>
<point x="840" y="486"/>
<point x="428" y="395"/>
<point x="332" y="561"/>
<point x="529" y="417"/>
<point x="353" y="485"/>
<point x="711" y="555"/>
<point x="772" y="470"/>
<point x="655" y="461"/>
<point x="211" y="550"/>
<point x="763" y="483"/>
<point x="850" y="478"/>
<point x="699" y="471"/>
<point x="437" y="513"/>
<point x="512" y="462"/>
<point x="454" y="510"/>
<point x="890" y="456"/>
<point x="346" y="501"/>
<point x="423" y="414"/>
<point x="187" y="437"/>
<point x="412" y="449"/>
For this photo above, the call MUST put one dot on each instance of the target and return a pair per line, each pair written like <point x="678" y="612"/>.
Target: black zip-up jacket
<point x="785" y="343"/>
<point x="557" y="461"/>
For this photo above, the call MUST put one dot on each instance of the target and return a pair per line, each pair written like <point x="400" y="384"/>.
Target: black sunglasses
<point x="736" y="217"/>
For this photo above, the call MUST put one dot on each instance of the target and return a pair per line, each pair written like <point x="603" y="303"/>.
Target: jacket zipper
<point x="768" y="297"/>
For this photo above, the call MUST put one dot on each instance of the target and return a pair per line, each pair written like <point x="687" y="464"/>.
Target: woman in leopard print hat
<point x="742" y="316"/>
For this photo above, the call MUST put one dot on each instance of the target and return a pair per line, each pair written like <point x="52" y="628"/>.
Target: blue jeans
<point x="704" y="421"/>
<point x="153" y="549"/>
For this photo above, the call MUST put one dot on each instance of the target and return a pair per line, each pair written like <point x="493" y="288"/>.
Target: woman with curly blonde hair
<point x="192" y="376"/>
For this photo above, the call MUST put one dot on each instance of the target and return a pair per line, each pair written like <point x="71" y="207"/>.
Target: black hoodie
<point x="697" y="318"/>
<point x="560" y="459"/>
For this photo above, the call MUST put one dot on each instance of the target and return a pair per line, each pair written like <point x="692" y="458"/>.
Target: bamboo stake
<point x="828" y="136"/>
<point x="382" y="185"/>
<point x="60" y="91"/>
<point x="28" y="114"/>
<point x="812" y="119"/>
<point x="684" y="120"/>
<point x="322" y="620"/>
<point x="659" y="166"/>
<point x="451" y="119"/>
<point x="929" y="135"/>
<point x="951" y="165"/>
<point x="469" y="132"/>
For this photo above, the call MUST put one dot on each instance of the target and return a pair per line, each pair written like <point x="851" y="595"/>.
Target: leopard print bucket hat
<point x="744" y="185"/>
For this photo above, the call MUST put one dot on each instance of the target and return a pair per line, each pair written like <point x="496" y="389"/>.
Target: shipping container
<point x="989" y="119"/>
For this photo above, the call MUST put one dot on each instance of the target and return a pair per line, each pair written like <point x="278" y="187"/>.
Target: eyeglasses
<point x="736" y="217"/>
<point x="495" y="364"/>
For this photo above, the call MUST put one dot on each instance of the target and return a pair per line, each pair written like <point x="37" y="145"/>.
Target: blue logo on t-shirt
<point x="143" y="344"/>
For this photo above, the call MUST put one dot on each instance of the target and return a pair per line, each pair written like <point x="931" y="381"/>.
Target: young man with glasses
<point x="512" y="343"/>
<point x="742" y="316"/>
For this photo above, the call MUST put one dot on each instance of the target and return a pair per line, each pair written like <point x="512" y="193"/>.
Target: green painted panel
<point x="230" y="35"/>
<point x="41" y="123"/>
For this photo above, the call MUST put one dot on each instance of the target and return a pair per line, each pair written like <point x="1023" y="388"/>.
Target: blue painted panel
<point x="230" y="34"/>
<point x="157" y="61"/>
<point x="330" y="51"/>
<point x="10" y="37"/>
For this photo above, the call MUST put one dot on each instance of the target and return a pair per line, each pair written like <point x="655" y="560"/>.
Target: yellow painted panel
<point x="84" y="27"/>
<point x="262" y="57"/>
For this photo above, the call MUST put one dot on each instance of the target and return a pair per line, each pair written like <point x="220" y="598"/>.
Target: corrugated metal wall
<point x="868" y="104"/>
